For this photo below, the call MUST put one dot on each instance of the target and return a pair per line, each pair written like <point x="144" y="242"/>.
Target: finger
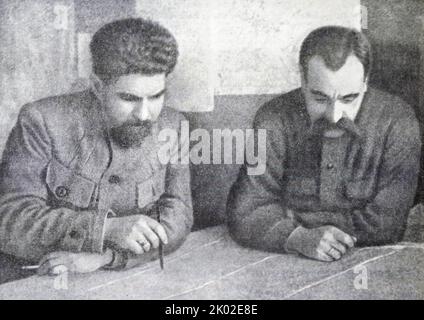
<point x="339" y="247"/>
<point x="343" y="237"/>
<point x="58" y="269"/>
<point x="328" y="248"/>
<point x="134" y="246"/>
<point x="159" y="230"/>
<point x="149" y="234"/>
<point x="46" y="264"/>
<point x="323" y="256"/>
<point x="48" y="257"/>
<point x="142" y="241"/>
<point x="50" y="266"/>
<point x="336" y="255"/>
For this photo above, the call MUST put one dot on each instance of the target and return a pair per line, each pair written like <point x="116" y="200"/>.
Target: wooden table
<point x="211" y="266"/>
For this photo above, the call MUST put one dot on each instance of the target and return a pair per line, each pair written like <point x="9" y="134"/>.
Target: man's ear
<point x="366" y="84"/>
<point x="302" y="78"/>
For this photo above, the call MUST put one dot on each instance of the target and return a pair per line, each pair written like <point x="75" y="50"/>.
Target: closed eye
<point x="129" y="97"/>
<point x="158" y="95"/>
<point x="349" y="98"/>
<point x="319" y="96"/>
<point x="321" y="100"/>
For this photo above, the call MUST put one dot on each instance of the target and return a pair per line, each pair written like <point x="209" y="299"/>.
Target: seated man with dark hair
<point x="342" y="158"/>
<point x="81" y="183"/>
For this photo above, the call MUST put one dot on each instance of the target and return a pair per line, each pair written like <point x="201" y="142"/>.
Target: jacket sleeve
<point x="383" y="219"/>
<point x="29" y="227"/>
<point x="257" y="215"/>
<point x="175" y="206"/>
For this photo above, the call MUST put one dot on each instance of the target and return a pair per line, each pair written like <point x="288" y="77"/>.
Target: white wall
<point x="241" y="46"/>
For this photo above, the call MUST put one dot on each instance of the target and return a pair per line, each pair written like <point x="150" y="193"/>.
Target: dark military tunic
<point x="61" y="177"/>
<point x="363" y="182"/>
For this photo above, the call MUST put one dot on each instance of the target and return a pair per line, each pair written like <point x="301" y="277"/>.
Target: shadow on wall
<point x="396" y="70"/>
<point x="212" y="182"/>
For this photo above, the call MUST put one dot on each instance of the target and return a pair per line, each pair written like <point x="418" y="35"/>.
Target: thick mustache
<point x="324" y="124"/>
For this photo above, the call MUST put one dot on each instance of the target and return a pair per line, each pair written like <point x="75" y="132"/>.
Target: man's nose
<point x="334" y="112"/>
<point x="141" y="111"/>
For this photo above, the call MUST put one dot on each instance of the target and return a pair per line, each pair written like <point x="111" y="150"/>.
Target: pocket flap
<point x="68" y="186"/>
<point x="151" y="189"/>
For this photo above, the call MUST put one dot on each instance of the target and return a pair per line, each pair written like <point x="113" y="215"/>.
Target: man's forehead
<point x="348" y="79"/>
<point x="139" y="84"/>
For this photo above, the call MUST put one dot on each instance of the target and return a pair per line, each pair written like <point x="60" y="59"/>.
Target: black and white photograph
<point x="233" y="151"/>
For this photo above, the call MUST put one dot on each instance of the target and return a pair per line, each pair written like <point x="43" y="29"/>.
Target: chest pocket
<point x="151" y="189"/>
<point x="67" y="187"/>
<point x="301" y="186"/>
<point x="359" y="189"/>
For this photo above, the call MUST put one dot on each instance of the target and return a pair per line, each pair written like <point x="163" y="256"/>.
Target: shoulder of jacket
<point x="57" y="106"/>
<point x="393" y="106"/>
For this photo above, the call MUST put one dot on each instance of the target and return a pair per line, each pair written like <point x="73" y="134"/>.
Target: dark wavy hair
<point x="133" y="45"/>
<point x="335" y="44"/>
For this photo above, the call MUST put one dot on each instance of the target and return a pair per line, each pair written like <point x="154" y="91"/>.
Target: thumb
<point x="59" y="269"/>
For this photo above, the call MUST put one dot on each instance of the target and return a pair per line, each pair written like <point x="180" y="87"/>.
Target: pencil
<point x="161" y="255"/>
<point x="30" y="267"/>
<point x="160" y="243"/>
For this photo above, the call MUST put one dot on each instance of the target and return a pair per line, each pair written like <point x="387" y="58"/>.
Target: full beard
<point x="131" y="135"/>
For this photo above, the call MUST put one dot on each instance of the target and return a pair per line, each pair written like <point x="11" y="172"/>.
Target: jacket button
<point x="114" y="179"/>
<point x="61" y="191"/>
<point x="330" y="166"/>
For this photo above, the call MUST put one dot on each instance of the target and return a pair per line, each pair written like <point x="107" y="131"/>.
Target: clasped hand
<point x="326" y="243"/>
<point x="136" y="233"/>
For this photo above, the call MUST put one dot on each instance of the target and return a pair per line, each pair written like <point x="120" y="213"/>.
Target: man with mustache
<point x="81" y="183"/>
<point x="342" y="158"/>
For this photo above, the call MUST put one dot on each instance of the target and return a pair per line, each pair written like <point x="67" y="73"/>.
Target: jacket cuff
<point x="277" y="235"/>
<point x="288" y="245"/>
<point x="77" y="232"/>
<point x="119" y="261"/>
<point x="86" y="232"/>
